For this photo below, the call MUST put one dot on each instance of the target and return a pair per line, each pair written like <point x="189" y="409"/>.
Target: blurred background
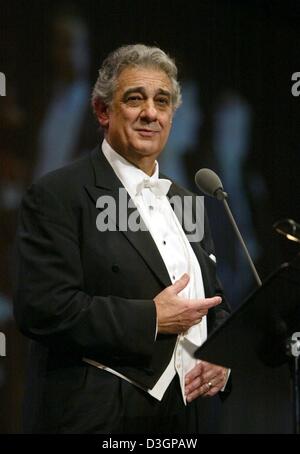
<point x="238" y="117"/>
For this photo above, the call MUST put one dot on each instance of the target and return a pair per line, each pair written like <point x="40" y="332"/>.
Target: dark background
<point x="250" y="48"/>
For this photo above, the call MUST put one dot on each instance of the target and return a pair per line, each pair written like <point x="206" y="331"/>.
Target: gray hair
<point x="135" y="55"/>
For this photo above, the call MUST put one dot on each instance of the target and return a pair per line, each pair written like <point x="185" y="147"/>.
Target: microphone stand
<point x="221" y="195"/>
<point x="209" y="183"/>
<point x="292" y="343"/>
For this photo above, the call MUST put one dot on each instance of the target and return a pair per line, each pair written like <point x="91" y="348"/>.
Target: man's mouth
<point x="145" y="132"/>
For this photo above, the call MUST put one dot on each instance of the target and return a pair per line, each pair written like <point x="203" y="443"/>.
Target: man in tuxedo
<point x="117" y="309"/>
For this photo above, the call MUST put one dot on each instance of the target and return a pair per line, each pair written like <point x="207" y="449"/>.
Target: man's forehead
<point x="143" y="78"/>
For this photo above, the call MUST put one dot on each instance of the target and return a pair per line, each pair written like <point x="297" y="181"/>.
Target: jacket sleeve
<point x="50" y="303"/>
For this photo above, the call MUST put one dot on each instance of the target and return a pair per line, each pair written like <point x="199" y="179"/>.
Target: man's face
<point x="138" y="122"/>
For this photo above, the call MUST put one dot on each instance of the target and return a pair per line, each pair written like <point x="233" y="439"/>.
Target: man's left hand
<point x="205" y="380"/>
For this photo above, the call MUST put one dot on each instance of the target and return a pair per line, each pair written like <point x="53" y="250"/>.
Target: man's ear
<point x="101" y="110"/>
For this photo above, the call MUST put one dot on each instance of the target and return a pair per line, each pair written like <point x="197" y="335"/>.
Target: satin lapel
<point x="107" y="184"/>
<point x="200" y="253"/>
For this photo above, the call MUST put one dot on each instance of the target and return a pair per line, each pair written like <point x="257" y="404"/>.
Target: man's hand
<point x="176" y="315"/>
<point x="205" y="380"/>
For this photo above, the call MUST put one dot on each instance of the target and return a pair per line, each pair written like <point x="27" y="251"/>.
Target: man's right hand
<point x="175" y="314"/>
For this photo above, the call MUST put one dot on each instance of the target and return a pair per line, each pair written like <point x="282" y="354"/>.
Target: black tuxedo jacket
<point x="85" y="293"/>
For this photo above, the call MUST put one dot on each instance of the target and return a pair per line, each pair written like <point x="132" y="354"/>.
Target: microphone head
<point x="209" y="183"/>
<point x="288" y="228"/>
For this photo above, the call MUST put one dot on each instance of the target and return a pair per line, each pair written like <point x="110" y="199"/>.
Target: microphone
<point x="210" y="184"/>
<point x="288" y="228"/>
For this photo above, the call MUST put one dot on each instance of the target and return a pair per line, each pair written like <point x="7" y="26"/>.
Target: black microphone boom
<point x="210" y="184"/>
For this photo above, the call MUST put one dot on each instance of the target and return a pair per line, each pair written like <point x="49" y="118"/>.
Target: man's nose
<point x="149" y="111"/>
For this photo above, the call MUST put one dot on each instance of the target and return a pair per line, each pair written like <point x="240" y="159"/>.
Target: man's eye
<point x="163" y="101"/>
<point x="134" y="98"/>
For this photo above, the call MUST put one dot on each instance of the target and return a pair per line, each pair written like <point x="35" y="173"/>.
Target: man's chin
<point x="146" y="148"/>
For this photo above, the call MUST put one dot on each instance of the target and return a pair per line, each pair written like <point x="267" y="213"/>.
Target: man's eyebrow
<point x="142" y="90"/>
<point x="161" y="91"/>
<point x="134" y="90"/>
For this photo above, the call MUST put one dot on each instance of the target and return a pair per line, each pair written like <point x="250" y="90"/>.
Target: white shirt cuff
<point x="228" y="374"/>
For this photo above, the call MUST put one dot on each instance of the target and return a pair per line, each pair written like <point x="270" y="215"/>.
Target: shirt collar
<point x="128" y="174"/>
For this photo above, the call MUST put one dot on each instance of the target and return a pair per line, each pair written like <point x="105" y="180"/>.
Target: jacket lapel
<point x="108" y="184"/>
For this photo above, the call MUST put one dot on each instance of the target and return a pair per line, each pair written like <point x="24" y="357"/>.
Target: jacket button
<point x="115" y="268"/>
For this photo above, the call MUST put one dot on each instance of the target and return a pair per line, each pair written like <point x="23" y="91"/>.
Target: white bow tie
<point x="159" y="187"/>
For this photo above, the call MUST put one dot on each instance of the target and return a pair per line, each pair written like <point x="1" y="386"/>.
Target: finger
<point x="193" y="386"/>
<point x="214" y="378"/>
<point x="199" y="392"/>
<point x="206" y="303"/>
<point x="214" y="384"/>
<point x="181" y="283"/>
<point x="194" y="373"/>
<point x="211" y="370"/>
<point x="203" y="391"/>
<point x="211" y="392"/>
<point x="214" y="368"/>
<point x="208" y="365"/>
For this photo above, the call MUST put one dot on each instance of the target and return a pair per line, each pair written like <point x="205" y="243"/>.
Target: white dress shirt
<point x="178" y="256"/>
